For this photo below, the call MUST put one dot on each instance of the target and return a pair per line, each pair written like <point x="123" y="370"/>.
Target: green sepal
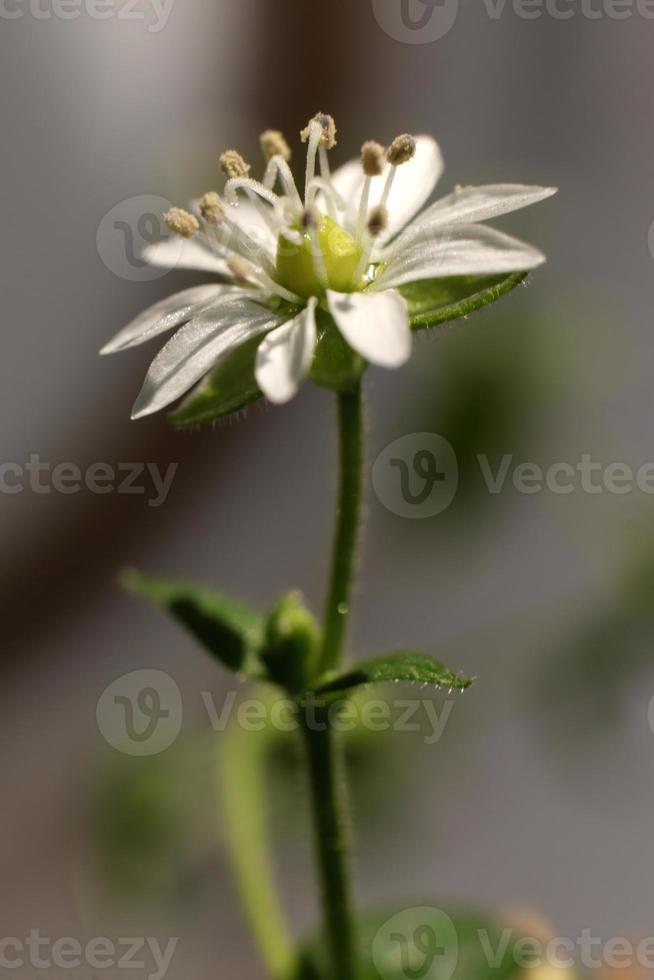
<point x="405" y="667"/>
<point x="335" y="365"/>
<point x="292" y="641"/>
<point x="435" y="301"/>
<point x="228" y="629"/>
<point x="229" y="388"/>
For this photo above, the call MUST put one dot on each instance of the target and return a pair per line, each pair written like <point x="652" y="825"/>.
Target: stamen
<point x="181" y="222"/>
<point x="310" y="218"/>
<point x="315" y="135"/>
<point x="273" y="144"/>
<point x="278" y="167"/>
<point x="377" y="221"/>
<point x="235" y="184"/>
<point x="211" y="208"/>
<point x="334" y="199"/>
<point x="402" y="149"/>
<point x="327" y="130"/>
<point x="373" y="158"/>
<point x="240" y="268"/>
<point x="316" y="253"/>
<point x="233" y="165"/>
<point x="376" y="224"/>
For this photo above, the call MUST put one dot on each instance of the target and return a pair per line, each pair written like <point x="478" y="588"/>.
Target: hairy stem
<point x="350" y="418"/>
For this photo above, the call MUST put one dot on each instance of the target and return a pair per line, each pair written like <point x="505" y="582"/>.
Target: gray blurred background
<point x="539" y="795"/>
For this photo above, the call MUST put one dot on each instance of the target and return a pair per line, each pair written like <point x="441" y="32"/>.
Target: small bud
<point x="311" y="218"/>
<point x="291" y="644"/>
<point x="239" y="267"/>
<point x="233" y="165"/>
<point x="373" y="158"/>
<point x="377" y="221"/>
<point x="211" y="208"/>
<point x="273" y="144"/>
<point x="181" y="222"/>
<point x="328" y="138"/>
<point x="402" y="149"/>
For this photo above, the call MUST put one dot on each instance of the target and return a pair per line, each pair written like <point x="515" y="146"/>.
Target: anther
<point x="233" y="165"/>
<point x="377" y="221"/>
<point x="239" y="267"/>
<point x="273" y="144"/>
<point x="372" y="158"/>
<point x="328" y="126"/>
<point x="310" y="218"/>
<point x="211" y="208"/>
<point x="181" y="222"/>
<point x="402" y="149"/>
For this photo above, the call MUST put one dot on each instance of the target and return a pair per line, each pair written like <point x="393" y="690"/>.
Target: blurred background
<point x="539" y="794"/>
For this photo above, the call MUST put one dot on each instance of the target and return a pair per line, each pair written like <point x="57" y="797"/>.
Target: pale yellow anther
<point x="181" y="222"/>
<point x="328" y="126"/>
<point x="233" y="165"/>
<point x="373" y="158"/>
<point x="402" y="149"/>
<point x="211" y="208"/>
<point x="377" y="221"/>
<point x="239" y="267"/>
<point x="273" y="144"/>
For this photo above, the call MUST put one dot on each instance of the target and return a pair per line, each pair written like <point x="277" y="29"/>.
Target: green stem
<point x="350" y="417"/>
<point x="325" y="767"/>
<point x="332" y="845"/>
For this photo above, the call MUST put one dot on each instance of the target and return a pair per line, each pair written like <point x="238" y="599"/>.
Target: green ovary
<point x="296" y="268"/>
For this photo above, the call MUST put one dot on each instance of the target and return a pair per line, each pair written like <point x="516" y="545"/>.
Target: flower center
<point x="327" y="259"/>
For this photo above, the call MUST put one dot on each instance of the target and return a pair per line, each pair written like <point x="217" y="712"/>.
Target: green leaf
<point x="229" y="630"/>
<point x="408" y="667"/>
<point x="229" y="388"/>
<point x="425" y="941"/>
<point x="335" y="365"/>
<point x="434" y="301"/>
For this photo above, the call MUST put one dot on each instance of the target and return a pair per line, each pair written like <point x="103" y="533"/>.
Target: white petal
<point x="376" y="325"/>
<point x="471" y="205"/>
<point x="170" y="312"/>
<point x="412" y="187"/>
<point x="182" y="253"/>
<point x="197" y="347"/>
<point x="250" y="220"/>
<point x="284" y="356"/>
<point x="464" y="250"/>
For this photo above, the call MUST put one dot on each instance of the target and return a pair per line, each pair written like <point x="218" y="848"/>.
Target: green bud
<point x="292" y="642"/>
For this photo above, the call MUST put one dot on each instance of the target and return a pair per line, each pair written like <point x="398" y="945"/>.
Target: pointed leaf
<point x="229" y="630"/>
<point x="434" y="301"/>
<point x="413" y="668"/>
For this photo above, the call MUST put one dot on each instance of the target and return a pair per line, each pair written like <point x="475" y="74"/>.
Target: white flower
<point x="346" y="248"/>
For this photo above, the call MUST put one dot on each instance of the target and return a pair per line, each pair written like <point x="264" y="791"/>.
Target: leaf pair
<point x="281" y="648"/>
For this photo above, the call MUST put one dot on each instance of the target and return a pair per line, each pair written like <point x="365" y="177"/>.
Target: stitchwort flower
<point x="319" y="284"/>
